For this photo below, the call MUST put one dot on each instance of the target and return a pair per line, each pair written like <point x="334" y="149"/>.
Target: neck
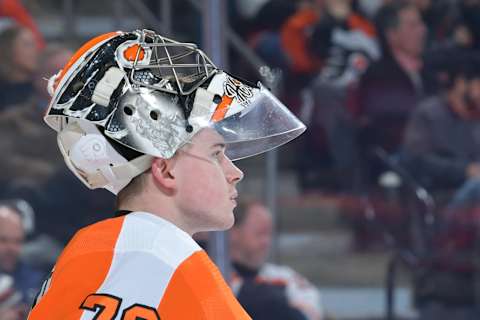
<point x="408" y="62"/>
<point x="244" y="270"/>
<point x="157" y="204"/>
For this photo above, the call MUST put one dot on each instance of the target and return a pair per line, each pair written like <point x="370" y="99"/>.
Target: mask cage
<point x="174" y="67"/>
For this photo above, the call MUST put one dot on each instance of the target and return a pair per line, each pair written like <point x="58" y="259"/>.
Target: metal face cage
<point x="170" y="66"/>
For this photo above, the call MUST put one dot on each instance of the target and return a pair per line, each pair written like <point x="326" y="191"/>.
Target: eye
<point x="218" y="155"/>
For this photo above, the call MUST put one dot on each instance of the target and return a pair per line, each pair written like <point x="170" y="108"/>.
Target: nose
<point x="233" y="174"/>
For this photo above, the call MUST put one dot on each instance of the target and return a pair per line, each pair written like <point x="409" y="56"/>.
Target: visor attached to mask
<point x="264" y="123"/>
<point x="152" y="95"/>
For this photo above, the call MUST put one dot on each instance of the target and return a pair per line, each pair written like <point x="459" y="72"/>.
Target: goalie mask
<point x="127" y="97"/>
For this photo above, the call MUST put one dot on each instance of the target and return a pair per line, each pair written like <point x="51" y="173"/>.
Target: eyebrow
<point x="219" y="144"/>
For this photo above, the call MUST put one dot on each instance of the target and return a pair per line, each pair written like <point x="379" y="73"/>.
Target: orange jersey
<point x="137" y="266"/>
<point x="294" y="37"/>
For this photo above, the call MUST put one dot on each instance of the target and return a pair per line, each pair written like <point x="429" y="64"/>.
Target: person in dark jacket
<point x="442" y="139"/>
<point x="442" y="150"/>
<point x="391" y="87"/>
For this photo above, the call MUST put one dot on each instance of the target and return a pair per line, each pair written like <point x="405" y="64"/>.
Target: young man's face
<point x="206" y="183"/>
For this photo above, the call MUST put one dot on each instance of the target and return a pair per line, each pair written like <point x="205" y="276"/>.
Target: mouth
<point x="234" y="197"/>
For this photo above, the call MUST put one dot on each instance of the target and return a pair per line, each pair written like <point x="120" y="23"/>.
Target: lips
<point x="234" y="196"/>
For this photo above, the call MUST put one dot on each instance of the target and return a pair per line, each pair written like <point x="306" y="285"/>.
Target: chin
<point x="230" y="224"/>
<point x="226" y="223"/>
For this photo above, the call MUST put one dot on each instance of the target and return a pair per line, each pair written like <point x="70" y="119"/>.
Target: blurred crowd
<point x="355" y="69"/>
<point x="399" y="76"/>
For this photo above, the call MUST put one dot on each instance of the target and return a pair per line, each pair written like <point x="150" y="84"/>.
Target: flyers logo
<point x="107" y="307"/>
<point x="233" y="89"/>
<point x="236" y="89"/>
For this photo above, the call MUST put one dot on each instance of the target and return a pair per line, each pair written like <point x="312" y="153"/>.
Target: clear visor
<point x="265" y="123"/>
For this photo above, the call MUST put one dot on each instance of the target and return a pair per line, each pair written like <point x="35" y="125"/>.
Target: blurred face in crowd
<point x="11" y="239"/>
<point x="465" y="97"/>
<point x="251" y="240"/>
<point x="409" y="35"/>
<point x="25" y="52"/>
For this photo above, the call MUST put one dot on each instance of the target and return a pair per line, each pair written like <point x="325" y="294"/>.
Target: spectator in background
<point x="442" y="150"/>
<point x="12" y="235"/>
<point x="52" y="59"/>
<point x="442" y="140"/>
<point x="470" y="10"/>
<point x="14" y="9"/>
<point x="266" y="291"/>
<point x="31" y="161"/>
<point x="295" y="34"/>
<point x="34" y="169"/>
<point x="264" y="36"/>
<point x="446" y="26"/>
<point x="346" y="43"/>
<point x="18" y="64"/>
<point x="11" y="306"/>
<point x="392" y="86"/>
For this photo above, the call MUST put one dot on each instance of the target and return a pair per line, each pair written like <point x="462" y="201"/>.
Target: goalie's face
<point x="206" y="183"/>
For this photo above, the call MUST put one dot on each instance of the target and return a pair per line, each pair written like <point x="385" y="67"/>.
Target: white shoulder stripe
<point x="147" y="253"/>
<point x="146" y="232"/>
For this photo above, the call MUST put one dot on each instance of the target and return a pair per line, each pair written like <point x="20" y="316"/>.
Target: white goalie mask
<point x="143" y="92"/>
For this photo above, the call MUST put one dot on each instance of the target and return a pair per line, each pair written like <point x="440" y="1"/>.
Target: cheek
<point x="209" y="190"/>
<point x="251" y="245"/>
<point x="475" y="91"/>
<point x="206" y="185"/>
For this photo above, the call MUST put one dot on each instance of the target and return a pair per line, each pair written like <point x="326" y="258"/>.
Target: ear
<point x="163" y="174"/>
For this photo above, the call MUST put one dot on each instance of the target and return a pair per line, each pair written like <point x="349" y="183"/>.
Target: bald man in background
<point x="12" y="235"/>
<point x="267" y="290"/>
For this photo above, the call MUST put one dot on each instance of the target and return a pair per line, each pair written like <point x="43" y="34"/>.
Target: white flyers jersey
<point x="137" y="266"/>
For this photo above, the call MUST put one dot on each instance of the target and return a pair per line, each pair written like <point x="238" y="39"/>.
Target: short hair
<point x="388" y="18"/>
<point x="138" y="183"/>
<point x="242" y="208"/>
<point x="132" y="189"/>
